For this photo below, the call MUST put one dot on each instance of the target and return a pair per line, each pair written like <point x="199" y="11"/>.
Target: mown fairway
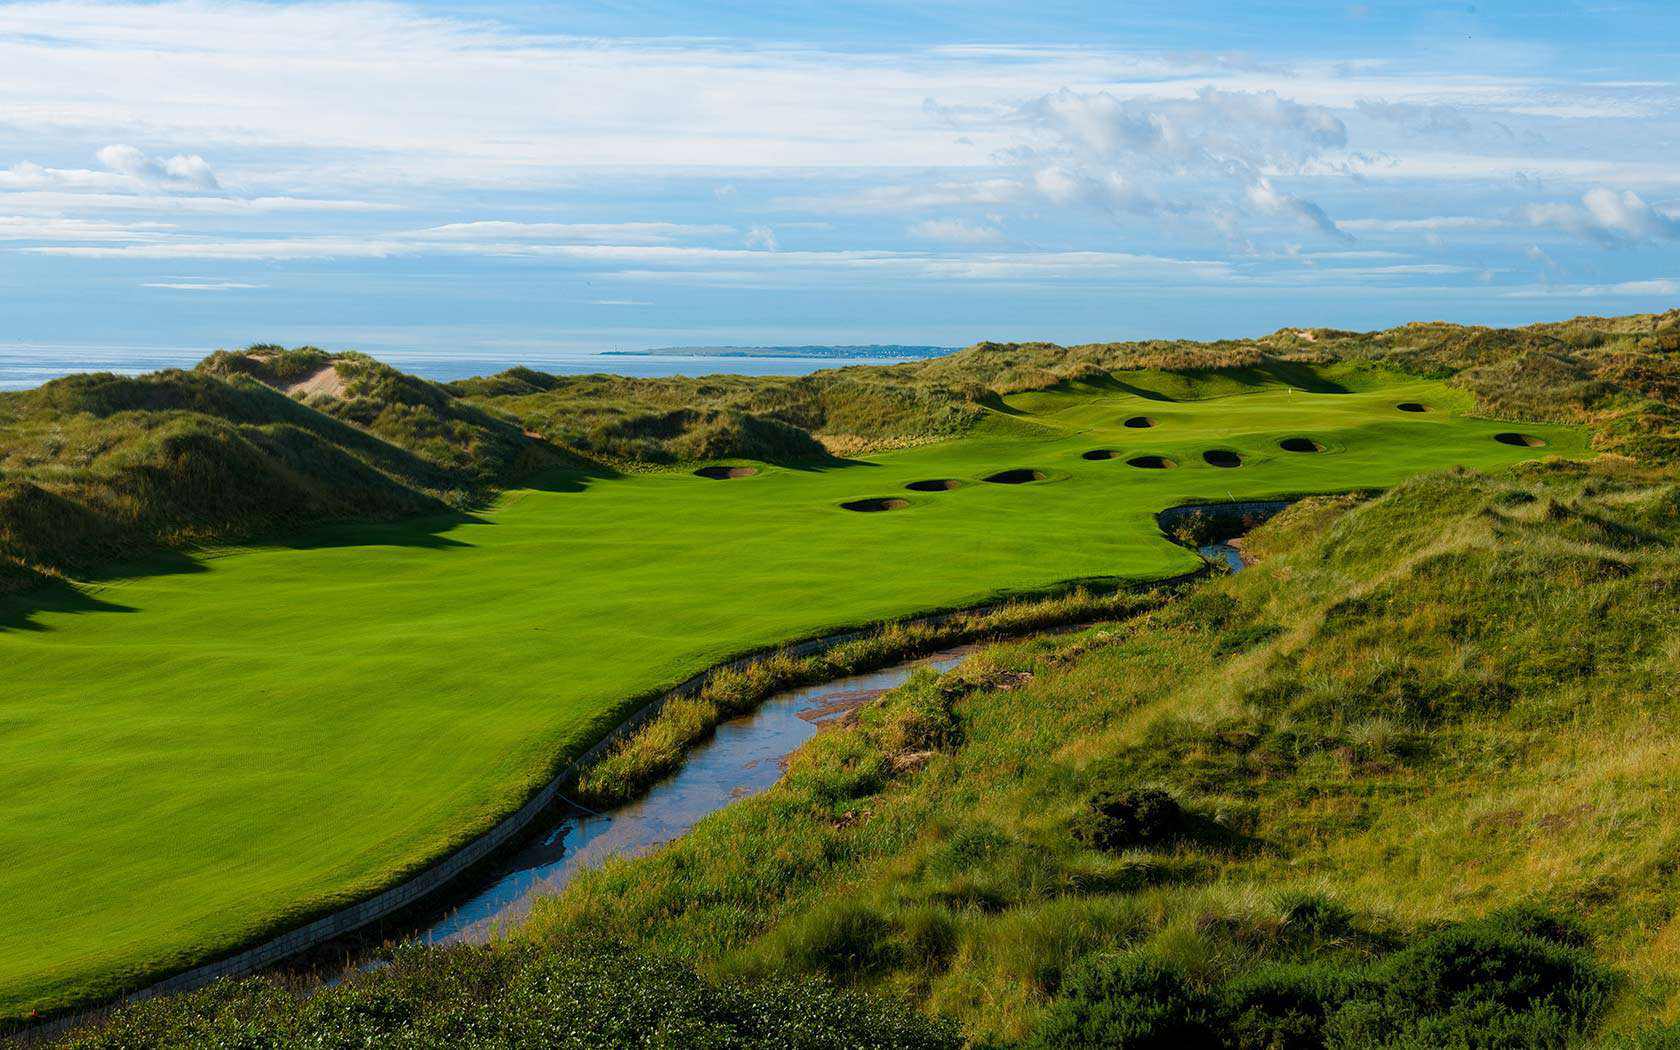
<point x="190" y="760"/>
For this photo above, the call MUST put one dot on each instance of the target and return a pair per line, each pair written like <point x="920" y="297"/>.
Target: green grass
<point x="1417" y="719"/>
<point x="194" y="757"/>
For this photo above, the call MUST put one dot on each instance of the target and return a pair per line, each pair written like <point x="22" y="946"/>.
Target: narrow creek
<point x="744" y="757"/>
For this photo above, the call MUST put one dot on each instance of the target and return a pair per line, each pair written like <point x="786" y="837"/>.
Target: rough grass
<point x="658" y="748"/>
<point x="245" y="740"/>
<point x="513" y="999"/>
<point x="1415" y="712"/>
<point x="95" y="468"/>
<point x="95" y="441"/>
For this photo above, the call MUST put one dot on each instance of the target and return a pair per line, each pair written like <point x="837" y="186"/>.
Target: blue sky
<point x="504" y="178"/>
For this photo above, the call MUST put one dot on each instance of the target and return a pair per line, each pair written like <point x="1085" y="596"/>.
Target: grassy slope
<point x="96" y="468"/>
<point x="281" y="729"/>
<point x="1418" y="709"/>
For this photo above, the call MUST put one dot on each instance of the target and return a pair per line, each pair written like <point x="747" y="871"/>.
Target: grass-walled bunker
<point x="1412" y="406"/>
<point x="1151" y="463"/>
<point x="876" y="504"/>
<point x="1300" y="444"/>
<point x="570" y="598"/>
<point x="934" y="485"/>
<point x="1510" y="437"/>
<point x="1016" y="476"/>
<point x="725" y="473"/>
<point x="1140" y="422"/>
<point x="1101" y="453"/>
<point x="1221" y="457"/>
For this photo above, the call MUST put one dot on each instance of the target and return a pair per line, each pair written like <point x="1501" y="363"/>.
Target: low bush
<point x="1114" y="821"/>
<point x="1512" y="980"/>
<point x="491" y="998"/>
<point x="1127" y="1003"/>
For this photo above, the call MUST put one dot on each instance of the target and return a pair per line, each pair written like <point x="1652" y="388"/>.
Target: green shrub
<point x="1284" y="1007"/>
<point x="1127" y="1003"/>
<point x="841" y="939"/>
<point x="1478" y="984"/>
<point x="580" y="997"/>
<point x="1120" y="820"/>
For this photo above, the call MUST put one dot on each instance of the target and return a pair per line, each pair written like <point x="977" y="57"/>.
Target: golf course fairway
<point x="191" y="760"/>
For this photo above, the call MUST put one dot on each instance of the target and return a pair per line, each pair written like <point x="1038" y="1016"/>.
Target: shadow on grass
<point x="38" y="593"/>
<point x="568" y="479"/>
<point x="19" y="612"/>
<point x="818" y="466"/>
<point x="422" y="533"/>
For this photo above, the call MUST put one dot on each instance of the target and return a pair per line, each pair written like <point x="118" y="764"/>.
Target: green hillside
<point x="244" y="740"/>
<point x="1409" y="781"/>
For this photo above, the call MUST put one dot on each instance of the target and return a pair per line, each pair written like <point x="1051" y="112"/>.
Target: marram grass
<point x="208" y="750"/>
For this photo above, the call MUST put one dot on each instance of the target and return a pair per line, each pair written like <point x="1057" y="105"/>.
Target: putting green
<point x="191" y="760"/>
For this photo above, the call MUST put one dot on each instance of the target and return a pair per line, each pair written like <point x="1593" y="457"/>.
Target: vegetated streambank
<point x="1302" y="806"/>
<point x="746" y="755"/>
<point x="1213" y="528"/>
<point x="737" y="759"/>
<point x="544" y="598"/>
<point x="113" y="926"/>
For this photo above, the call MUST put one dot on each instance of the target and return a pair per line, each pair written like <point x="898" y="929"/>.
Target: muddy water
<point x="743" y="758"/>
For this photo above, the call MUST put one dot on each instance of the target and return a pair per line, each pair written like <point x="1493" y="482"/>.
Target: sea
<point x="25" y="366"/>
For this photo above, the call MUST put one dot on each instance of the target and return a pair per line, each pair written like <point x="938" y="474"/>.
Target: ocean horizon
<point x="26" y="367"/>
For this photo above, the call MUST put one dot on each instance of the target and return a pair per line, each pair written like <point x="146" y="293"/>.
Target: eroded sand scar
<point x="326" y="381"/>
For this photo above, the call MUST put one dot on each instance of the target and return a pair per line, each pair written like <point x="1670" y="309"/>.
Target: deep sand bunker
<point x="879" y="503"/>
<point x="934" y="485"/>
<point x="1511" y="437"/>
<point x="1151" y="463"/>
<point x="1218" y="457"/>
<point x="1140" y="422"/>
<point x="1411" y="406"/>
<point x="1101" y="453"/>
<point x="1018" y="476"/>
<point x="1300" y="445"/>
<point x="725" y="473"/>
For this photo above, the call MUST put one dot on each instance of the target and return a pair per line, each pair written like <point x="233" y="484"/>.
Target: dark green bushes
<point x="1126" y="1002"/>
<point x="1120" y="820"/>
<point x="1512" y="980"/>
<point x="516" y="998"/>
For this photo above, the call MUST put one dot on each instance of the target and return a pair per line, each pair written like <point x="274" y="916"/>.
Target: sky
<point x="504" y="178"/>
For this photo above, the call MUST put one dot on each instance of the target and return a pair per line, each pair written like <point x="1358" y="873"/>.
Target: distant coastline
<point x="873" y="350"/>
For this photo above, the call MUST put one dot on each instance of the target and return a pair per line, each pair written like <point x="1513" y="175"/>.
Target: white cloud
<point x="762" y="237"/>
<point x="24" y="228"/>
<point x="201" y="286"/>
<point x="902" y="197"/>
<point x="180" y="170"/>
<point x="606" y="232"/>
<point x="1607" y="216"/>
<point x="1212" y="156"/>
<point x="1267" y="198"/>
<point x="1216" y="132"/>
<point x="1432" y="224"/>
<point x="955" y="231"/>
<point x="27" y="175"/>
<point x="1661" y="286"/>
<point x="1418" y="118"/>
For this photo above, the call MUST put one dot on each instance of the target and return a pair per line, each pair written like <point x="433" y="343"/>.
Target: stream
<point x="745" y="756"/>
